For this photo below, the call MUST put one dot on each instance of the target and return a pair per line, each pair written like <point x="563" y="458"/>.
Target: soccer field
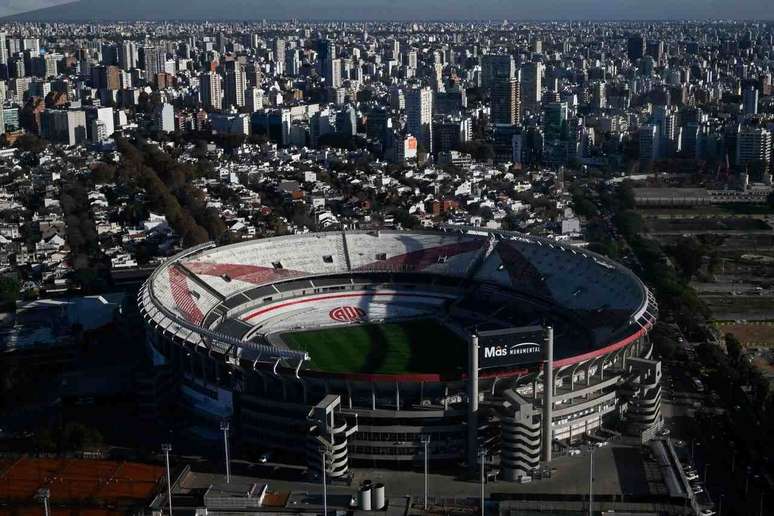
<point x="415" y="346"/>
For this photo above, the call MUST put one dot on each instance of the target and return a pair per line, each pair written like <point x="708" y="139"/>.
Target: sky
<point x="8" y="7"/>
<point x="391" y="9"/>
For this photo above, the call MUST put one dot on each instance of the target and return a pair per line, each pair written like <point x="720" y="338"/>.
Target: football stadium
<point x="355" y="346"/>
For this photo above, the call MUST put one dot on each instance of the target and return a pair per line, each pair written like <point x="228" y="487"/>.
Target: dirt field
<point x="750" y="334"/>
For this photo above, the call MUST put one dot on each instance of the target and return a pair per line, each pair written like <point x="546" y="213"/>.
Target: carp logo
<point x="347" y="313"/>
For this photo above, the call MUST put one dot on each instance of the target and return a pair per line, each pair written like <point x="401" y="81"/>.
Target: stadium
<point x="359" y="344"/>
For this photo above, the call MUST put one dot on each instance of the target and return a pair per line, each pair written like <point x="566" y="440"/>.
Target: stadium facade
<point x="217" y="316"/>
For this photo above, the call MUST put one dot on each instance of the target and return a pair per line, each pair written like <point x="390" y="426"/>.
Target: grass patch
<point x="414" y="346"/>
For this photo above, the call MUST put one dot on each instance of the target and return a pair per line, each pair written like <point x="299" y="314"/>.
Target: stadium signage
<point x="510" y="347"/>
<point x="347" y="314"/>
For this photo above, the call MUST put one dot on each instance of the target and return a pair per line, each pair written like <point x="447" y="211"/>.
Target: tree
<point x="77" y="437"/>
<point x="629" y="223"/>
<point x="480" y="151"/>
<point x="30" y="143"/>
<point x="688" y="254"/>
<point x="733" y="347"/>
<point x="103" y="173"/>
<point x="404" y="218"/>
<point x="9" y="293"/>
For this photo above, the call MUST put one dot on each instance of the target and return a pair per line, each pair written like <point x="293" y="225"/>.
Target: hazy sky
<point x="394" y="9"/>
<point x="19" y="6"/>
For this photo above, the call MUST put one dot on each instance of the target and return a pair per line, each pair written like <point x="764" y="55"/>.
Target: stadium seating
<point x="564" y="276"/>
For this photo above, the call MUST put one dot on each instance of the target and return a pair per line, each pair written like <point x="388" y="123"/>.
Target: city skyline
<point x="400" y="10"/>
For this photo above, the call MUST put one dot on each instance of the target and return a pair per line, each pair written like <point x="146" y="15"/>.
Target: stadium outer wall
<point x="378" y="420"/>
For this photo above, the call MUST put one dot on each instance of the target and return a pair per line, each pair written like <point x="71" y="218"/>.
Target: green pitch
<point x="415" y="346"/>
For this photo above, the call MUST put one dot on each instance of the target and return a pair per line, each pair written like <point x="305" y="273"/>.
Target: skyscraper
<point x="649" y="143"/>
<point x="210" y="91"/>
<point x="635" y="47"/>
<point x="494" y="66"/>
<point x="531" y="85"/>
<point x="326" y="50"/>
<point x="554" y="119"/>
<point x="665" y="120"/>
<point x="753" y="144"/>
<point x="164" y="117"/>
<point x="254" y="99"/>
<point x="506" y="101"/>
<point x="598" y="95"/>
<point x="127" y="55"/>
<point x="332" y="73"/>
<point x="293" y="62"/>
<point x="655" y="49"/>
<point x="750" y="101"/>
<point x="3" y="48"/>
<point x="236" y="84"/>
<point x="154" y="60"/>
<point x="279" y="55"/>
<point x="419" y="110"/>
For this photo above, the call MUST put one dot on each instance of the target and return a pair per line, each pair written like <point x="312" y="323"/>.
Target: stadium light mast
<point x="482" y="460"/>
<point x="166" y="448"/>
<point x="425" y="439"/>
<point x="225" y="426"/>
<point x="473" y="401"/>
<point x="548" y="394"/>
<point x="323" y="450"/>
<point x="44" y="493"/>
<point x="591" y="478"/>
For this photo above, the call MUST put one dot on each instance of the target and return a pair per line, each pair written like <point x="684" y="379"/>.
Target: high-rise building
<point x="154" y="59"/>
<point x="346" y="121"/>
<point x="649" y="143"/>
<point x="507" y="144"/>
<point x="555" y="116"/>
<point x="419" y="111"/>
<point x="332" y="73"/>
<point x="326" y="50"/>
<point x="506" y="102"/>
<point x="635" y="47"/>
<point x="750" y="101"/>
<point x="532" y="85"/>
<point x="210" y="90"/>
<point x="437" y="78"/>
<point x="293" y="62"/>
<point x="236" y="84"/>
<point x="106" y="77"/>
<point x="97" y="131"/>
<point x="3" y="48"/>
<point x="65" y="126"/>
<point x="254" y="99"/>
<point x="655" y="49"/>
<point x="598" y="96"/>
<point x="665" y="120"/>
<point x="494" y="66"/>
<point x="379" y="125"/>
<point x="127" y="55"/>
<point x="450" y="132"/>
<point x="279" y="55"/>
<point x="753" y="144"/>
<point x="105" y="116"/>
<point x="164" y="117"/>
<point x="411" y="59"/>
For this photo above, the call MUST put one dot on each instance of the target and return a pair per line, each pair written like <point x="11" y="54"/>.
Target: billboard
<point x="511" y="346"/>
